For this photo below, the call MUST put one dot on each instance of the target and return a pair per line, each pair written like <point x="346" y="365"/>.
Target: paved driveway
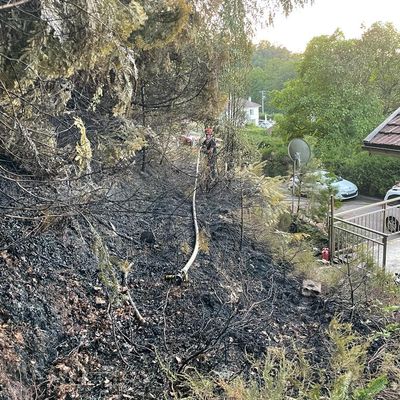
<point x="352" y="208"/>
<point x="393" y="255"/>
<point x="358" y="202"/>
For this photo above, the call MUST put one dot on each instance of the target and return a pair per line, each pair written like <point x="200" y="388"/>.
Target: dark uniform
<point x="209" y="147"/>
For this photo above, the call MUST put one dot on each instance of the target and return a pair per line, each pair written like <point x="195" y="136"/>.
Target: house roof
<point x="385" y="138"/>
<point x="250" y="104"/>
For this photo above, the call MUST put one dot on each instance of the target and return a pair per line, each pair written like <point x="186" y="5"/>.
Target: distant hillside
<point x="272" y="67"/>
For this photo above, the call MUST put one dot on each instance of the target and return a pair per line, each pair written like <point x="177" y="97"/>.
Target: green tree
<point x="272" y="67"/>
<point x="379" y="47"/>
<point x="235" y="28"/>
<point x="344" y="89"/>
<point x="329" y="98"/>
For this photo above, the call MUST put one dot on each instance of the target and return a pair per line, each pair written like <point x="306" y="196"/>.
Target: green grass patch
<point x="253" y="135"/>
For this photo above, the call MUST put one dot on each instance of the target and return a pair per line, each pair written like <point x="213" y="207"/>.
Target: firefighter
<point x="209" y="148"/>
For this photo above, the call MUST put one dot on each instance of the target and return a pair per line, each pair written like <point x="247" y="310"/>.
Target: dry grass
<point x="204" y="241"/>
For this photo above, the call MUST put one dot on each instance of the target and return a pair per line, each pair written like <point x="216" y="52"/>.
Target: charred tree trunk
<point x="144" y="150"/>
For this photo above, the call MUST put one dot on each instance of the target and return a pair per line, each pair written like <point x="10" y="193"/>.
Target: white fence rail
<point x="364" y="232"/>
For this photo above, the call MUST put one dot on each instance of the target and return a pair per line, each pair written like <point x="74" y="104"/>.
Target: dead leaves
<point x="70" y="375"/>
<point x="8" y="340"/>
<point x="8" y="259"/>
<point x="19" y="338"/>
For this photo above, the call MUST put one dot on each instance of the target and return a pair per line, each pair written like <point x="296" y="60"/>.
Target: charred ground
<point x="66" y="329"/>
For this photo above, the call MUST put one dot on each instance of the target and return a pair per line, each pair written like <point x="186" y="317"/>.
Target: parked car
<point x="392" y="220"/>
<point x="266" y="123"/>
<point x="324" y="180"/>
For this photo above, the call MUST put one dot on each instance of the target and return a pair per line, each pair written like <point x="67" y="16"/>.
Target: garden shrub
<point x="373" y="174"/>
<point x="274" y="151"/>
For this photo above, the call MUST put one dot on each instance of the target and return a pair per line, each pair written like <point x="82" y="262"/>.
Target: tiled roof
<point x="386" y="137"/>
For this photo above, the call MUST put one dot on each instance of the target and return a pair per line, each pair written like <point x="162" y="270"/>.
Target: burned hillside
<point x="97" y="222"/>
<point x="69" y="280"/>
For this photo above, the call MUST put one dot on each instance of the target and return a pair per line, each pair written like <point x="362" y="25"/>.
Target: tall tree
<point x="380" y="48"/>
<point x="344" y="89"/>
<point x="271" y="67"/>
<point x="57" y="58"/>
<point x="330" y="97"/>
<point x="235" y="27"/>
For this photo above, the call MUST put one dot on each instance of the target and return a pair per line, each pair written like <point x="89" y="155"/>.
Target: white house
<point x="251" y="110"/>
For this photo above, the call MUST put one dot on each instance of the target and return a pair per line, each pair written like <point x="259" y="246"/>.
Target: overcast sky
<point x="324" y="17"/>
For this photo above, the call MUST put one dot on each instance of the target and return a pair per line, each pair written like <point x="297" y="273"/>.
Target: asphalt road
<point x="345" y="206"/>
<point x="359" y="201"/>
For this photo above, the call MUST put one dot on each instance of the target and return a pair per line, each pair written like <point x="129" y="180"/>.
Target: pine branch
<point x="15" y="4"/>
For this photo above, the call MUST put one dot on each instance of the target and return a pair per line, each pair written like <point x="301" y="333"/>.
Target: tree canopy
<point x="272" y="67"/>
<point x="344" y="86"/>
<point x="344" y="89"/>
<point x="112" y="61"/>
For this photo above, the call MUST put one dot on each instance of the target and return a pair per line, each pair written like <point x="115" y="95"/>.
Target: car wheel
<point x="392" y="224"/>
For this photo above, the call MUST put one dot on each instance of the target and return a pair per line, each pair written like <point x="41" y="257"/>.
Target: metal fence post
<point x="384" y="217"/>
<point x="385" y="242"/>
<point x="331" y="230"/>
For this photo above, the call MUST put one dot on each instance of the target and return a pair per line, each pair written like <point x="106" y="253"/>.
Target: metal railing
<point x="363" y="233"/>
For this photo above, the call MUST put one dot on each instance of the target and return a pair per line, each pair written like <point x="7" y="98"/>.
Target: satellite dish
<point x="299" y="151"/>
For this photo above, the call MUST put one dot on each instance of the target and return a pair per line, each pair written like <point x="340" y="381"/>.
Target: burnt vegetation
<point x="96" y="221"/>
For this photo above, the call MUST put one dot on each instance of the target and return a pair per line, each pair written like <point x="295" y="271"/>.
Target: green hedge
<point x="373" y="174"/>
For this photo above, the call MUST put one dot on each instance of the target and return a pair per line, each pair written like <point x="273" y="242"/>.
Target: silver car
<point x="324" y="180"/>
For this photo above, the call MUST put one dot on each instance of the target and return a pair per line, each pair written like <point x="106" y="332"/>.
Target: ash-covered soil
<point x="67" y="330"/>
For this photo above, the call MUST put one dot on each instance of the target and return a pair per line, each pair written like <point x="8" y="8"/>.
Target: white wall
<point x="252" y="115"/>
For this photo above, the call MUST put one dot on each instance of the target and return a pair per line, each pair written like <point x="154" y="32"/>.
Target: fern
<point x="341" y="387"/>
<point x="268" y="205"/>
<point x="372" y="389"/>
<point x="348" y="350"/>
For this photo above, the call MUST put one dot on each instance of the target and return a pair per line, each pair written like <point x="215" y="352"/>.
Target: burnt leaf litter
<point x="67" y="332"/>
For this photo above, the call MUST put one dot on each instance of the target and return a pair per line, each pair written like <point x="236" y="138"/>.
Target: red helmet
<point x="208" y="131"/>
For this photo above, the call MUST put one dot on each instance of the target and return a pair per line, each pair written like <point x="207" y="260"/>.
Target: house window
<point x="251" y="111"/>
